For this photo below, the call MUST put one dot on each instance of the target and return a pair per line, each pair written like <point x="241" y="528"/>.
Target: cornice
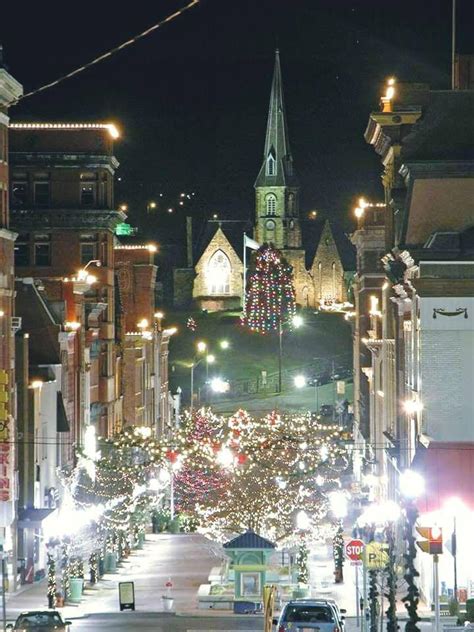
<point x="66" y="218"/>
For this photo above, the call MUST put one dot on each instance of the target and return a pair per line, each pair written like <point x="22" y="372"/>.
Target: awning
<point x="32" y="518"/>
<point x="448" y="471"/>
<point x="62" y="422"/>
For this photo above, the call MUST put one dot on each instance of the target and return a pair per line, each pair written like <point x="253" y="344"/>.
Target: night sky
<point x="192" y="98"/>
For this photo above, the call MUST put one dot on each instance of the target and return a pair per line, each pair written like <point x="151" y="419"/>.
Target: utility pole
<point x="453" y="43"/>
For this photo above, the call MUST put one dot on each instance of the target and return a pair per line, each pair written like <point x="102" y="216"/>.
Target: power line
<point x="108" y="54"/>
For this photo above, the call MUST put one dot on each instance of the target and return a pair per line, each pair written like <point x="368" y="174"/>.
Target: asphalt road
<point x="130" y="621"/>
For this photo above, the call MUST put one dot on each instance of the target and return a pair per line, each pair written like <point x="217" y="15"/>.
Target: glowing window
<point x="271" y="166"/>
<point x="218" y="273"/>
<point x="271" y="204"/>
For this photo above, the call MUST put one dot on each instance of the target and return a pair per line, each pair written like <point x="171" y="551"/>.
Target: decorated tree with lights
<point x="338" y="552"/>
<point x="270" y="299"/>
<point x="51" y="591"/>
<point x="198" y="474"/>
<point x="302" y="563"/>
<point x="276" y="466"/>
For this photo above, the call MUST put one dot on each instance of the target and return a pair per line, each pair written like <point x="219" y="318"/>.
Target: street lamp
<point x="201" y="347"/>
<point x="224" y="344"/>
<point x="150" y="206"/>
<point x="453" y="507"/>
<point x="412" y="486"/>
<point x="300" y="381"/>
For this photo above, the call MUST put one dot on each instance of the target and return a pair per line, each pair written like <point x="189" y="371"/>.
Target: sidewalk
<point x="185" y="559"/>
<point x="321" y="580"/>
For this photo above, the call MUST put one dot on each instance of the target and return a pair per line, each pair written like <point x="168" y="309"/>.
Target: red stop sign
<point x="354" y="550"/>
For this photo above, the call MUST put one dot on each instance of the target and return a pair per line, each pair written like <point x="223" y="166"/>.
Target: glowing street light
<point x="303" y="522"/>
<point x="299" y="381"/>
<point x="297" y="321"/>
<point x="218" y="385"/>
<point x="201" y="346"/>
<point x="412" y="484"/>
<point x="224" y="344"/>
<point x="413" y="406"/>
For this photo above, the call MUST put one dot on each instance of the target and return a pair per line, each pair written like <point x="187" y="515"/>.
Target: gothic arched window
<point x="270" y="203"/>
<point x="271" y="165"/>
<point x="218" y="273"/>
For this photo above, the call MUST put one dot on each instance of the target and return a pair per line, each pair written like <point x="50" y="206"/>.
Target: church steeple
<point x="277" y="167"/>
<point x="276" y="186"/>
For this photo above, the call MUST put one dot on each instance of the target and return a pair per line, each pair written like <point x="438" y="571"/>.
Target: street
<point x="148" y="622"/>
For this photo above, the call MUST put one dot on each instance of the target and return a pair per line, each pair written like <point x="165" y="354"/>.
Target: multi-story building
<point x="10" y="90"/>
<point x="146" y="399"/>
<point x="62" y="198"/>
<point x="422" y="352"/>
<point x="369" y="240"/>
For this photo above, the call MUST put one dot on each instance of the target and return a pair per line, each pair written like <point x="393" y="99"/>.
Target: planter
<point x="76" y="584"/>
<point x="167" y="603"/>
<point x="110" y="562"/>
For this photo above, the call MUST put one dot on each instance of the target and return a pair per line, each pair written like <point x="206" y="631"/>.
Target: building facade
<point x="10" y="90"/>
<point x="421" y="335"/>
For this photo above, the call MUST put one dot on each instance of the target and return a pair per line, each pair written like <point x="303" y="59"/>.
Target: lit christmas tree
<point x="338" y="552"/>
<point x="51" y="592"/>
<point x="270" y="300"/>
<point x="302" y="563"/>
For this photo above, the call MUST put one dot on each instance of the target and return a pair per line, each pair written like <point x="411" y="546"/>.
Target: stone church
<point x="322" y="256"/>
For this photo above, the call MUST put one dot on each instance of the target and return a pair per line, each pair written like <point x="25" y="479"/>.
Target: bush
<point x="174" y="526"/>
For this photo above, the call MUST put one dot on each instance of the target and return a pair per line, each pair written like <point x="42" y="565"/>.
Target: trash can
<point x="110" y="562"/>
<point x="76" y="584"/>
<point x="167" y="603"/>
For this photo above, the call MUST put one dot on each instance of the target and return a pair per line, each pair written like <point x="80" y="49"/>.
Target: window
<point x="250" y="585"/>
<point x="271" y="165"/>
<point x="19" y="194"/>
<point x="41" y="190"/>
<point x="22" y="254"/>
<point x="291" y="203"/>
<point x="271" y="204"/>
<point x="88" y="193"/>
<point x="42" y="254"/>
<point x="218" y="273"/>
<point x="88" y="252"/>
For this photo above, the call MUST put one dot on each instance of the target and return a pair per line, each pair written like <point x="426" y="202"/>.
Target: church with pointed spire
<point x="320" y="253"/>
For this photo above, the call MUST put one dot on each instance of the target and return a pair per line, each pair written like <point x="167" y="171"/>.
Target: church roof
<point x="277" y="141"/>
<point x="233" y="230"/>
<point x="312" y="231"/>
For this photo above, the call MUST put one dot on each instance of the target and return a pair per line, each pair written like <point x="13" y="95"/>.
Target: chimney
<point x="189" y="240"/>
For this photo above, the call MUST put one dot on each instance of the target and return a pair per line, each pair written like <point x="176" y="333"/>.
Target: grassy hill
<point x="324" y="338"/>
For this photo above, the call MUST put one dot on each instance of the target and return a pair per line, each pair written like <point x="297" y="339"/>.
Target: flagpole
<point x="244" y="280"/>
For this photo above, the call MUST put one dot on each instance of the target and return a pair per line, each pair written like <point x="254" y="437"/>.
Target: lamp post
<point x="411" y="487"/>
<point x="454" y="506"/>
<point x="297" y="321"/>
<point x="201" y="347"/>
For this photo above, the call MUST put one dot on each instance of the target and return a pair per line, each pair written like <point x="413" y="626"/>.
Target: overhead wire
<point x="112" y="51"/>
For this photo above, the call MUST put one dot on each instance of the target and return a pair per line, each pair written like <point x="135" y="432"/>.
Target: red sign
<point x="354" y="550"/>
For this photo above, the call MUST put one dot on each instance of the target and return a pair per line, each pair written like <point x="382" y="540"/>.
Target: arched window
<point x="271" y="204"/>
<point x="271" y="165"/>
<point x="218" y="273"/>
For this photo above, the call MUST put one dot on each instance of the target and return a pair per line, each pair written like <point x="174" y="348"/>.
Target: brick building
<point x="62" y="198"/>
<point x="146" y="399"/>
<point x="10" y="90"/>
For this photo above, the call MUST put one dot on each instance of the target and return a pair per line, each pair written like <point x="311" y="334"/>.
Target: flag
<point x="250" y="243"/>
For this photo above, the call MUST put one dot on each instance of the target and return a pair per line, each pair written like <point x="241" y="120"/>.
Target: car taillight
<point x="336" y="629"/>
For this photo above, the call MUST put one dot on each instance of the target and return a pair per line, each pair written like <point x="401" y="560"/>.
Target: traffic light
<point x="433" y="540"/>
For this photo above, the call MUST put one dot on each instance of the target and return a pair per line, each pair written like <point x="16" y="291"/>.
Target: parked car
<point x="320" y="379"/>
<point x="342" y="373"/>
<point x="39" y="621"/>
<point x="306" y="615"/>
<point x="326" y="410"/>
